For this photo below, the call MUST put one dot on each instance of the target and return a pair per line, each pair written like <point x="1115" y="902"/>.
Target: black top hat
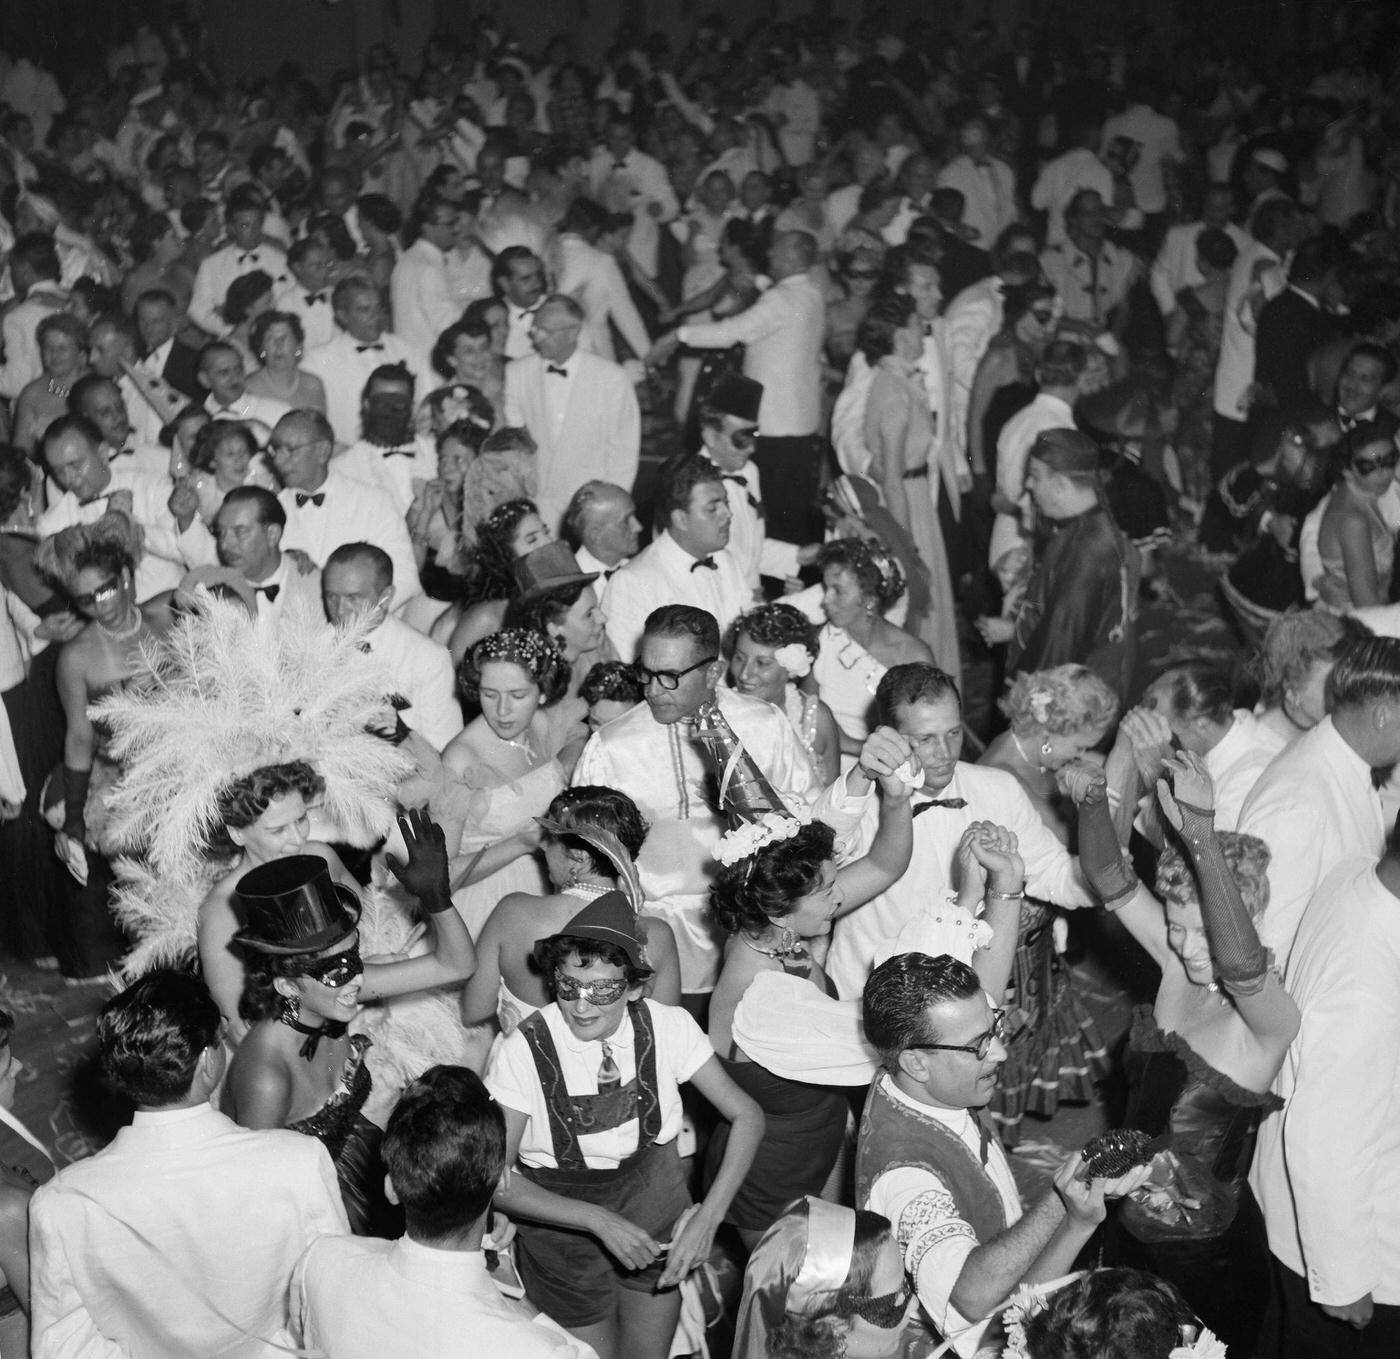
<point x="549" y="568"/>
<point x="293" y="906"/>
<point x="735" y="395"/>
<point x="608" y="919"/>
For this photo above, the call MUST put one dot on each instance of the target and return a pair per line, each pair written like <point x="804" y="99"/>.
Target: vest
<point x="893" y="1136"/>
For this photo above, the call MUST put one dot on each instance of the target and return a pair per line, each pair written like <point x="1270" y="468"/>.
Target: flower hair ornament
<point x="532" y="651"/>
<point x="1039" y="701"/>
<point x="795" y="659"/>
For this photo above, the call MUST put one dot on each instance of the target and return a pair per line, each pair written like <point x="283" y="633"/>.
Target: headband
<point x="831" y="1245"/>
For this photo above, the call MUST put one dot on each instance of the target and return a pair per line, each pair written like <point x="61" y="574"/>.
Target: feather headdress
<point x="222" y="697"/>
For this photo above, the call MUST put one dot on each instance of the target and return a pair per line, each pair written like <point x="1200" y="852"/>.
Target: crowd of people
<point x="493" y="551"/>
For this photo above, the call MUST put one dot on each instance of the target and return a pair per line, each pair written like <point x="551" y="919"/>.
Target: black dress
<point x="1216" y="1251"/>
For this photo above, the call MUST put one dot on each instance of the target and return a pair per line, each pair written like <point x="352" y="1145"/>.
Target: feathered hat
<point x="223" y="697"/>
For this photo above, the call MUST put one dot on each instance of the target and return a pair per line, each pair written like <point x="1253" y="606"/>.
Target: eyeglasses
<point x="979" y="1047"/>
<point x="100" y="595"/>
<point x="885" y="1312"/>
<point x="1363" y="467"/>
<point x="668" y="679"/>
<point x="338" y="970"/>
<point x="595" y="992"/>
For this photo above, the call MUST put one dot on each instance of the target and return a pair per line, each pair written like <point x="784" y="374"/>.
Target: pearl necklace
<point x="123" y="634"/>
<point x="58" y="389"/>
<point x="585" y="891"/>
<point x="1021" y="750"/>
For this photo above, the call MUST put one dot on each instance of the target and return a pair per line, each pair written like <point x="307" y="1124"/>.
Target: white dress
<point x="847" y="675"/>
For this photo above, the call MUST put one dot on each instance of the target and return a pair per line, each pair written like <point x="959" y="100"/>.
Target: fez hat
<point x="549" y="568"/>
<point x="608" y="919"/>
<point x="735" y="395"/>
<point x="292" y="906"/>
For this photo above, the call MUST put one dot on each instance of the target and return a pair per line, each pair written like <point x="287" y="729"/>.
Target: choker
<point x="332" y="1029"/>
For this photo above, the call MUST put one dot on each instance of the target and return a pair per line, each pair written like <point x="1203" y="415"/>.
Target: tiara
<point x="532" y="651"/>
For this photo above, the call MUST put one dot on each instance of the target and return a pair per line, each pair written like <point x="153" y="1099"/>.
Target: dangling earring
<point x="789" y="940"/>
<point x="1045" y="750"/>
<point x="291" y="1009"/>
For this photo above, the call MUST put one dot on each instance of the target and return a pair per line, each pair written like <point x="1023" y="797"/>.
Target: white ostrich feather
<point x="222" y="697"/>
<point x="160" y="911"/>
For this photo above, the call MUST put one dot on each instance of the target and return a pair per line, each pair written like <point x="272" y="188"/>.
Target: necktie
<point x="397" y="452"/>
<point x="955" y="804"/>
<point x="984" y="1138"/>
<point x="271" y="591"/>
<point x="755" y="504"/>
<point x="709" y="563"/>
<point x="318" y="499"/>
<point x="557" y="370"/>
<point x="251" y="255"/>
<point x="313" y="298"/>
<point x="609" y="1077"/>
<point x="369" y="348"/>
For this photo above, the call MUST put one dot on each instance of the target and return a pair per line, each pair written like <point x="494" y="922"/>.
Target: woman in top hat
<point x="298" y="1067"/>
<point x="591" y="1090"/>
<point x="502" y="770"/>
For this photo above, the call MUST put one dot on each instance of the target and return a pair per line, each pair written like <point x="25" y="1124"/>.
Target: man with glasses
<point x="651" y="753"/>
<point x="927" y="1160"/>
<point x="580" y="409"/>
<point x="922" y="704"/>
<point x="689" y="560"/>
<point x="327" y="508"/>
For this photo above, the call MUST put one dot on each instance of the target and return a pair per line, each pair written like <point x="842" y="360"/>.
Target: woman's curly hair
<point x="491" y="563"/>
<point x="765" y="887"/>
<point x="112" y="542"/>
<point x="1248" y="858"/>
<point x="876" y="571"/>
<point x="775" y="625"/>
<point x="247" y="798"/>
<point x="537" y="655"/>
<point x="1061" y="700"/>
<point x="1126" y="1313"/>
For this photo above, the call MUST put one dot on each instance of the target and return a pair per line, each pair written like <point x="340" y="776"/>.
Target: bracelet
<point x="1005" y="896"/>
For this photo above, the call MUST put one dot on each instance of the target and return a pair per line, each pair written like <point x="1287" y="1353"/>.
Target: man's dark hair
<point x="913" y="682"/>
<point x="269" y="508"/>
<point x="157" y="297"/>
<point x="1369" y="349"/>
<point x="681" y="620"/>
<point x="1272" y="218"/>
<point x="1316" y="258"/>
<point x="897" y="996"/>
<point x="679" y="478"/>
<point x="1369" y="669"/>
<point x="585" y="217"/>
<point x="501" y="269"/>
<point x="380" y="211"/>
<point x="38" y="252"/>
<point x="1063" y="363"/>
<point x="363" y="554"/>
<point x="397" y="373"/>
<point x="85" y="387"/>
<point x="245" y="198"/>
<point x="444" y="1148"/>
<point x="66" y="424"/>
<point x="151" y="1037"/>
<point x="264" y="156"/>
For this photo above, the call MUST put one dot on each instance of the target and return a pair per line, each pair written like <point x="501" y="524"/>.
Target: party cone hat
<point x="745" y="794"/>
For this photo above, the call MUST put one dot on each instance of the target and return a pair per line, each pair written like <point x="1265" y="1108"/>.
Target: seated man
<point x="180" y="1237"/>
<point x="445" y="1150"/>
<point x="927" y="1161"/>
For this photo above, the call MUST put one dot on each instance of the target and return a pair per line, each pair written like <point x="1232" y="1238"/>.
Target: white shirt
<point x="933" y="1238"/>
<point x="218" y="270"/>
<point x="783" y="334"/>
<point x="989" y="195"/>
<point x="20" y="331"/>
<point x="586" y="423"/>
<point x="1175" y="266"/>
<point x="519" y="322"/>
<point x="254" y="411"/>
<point x="350" y="512"/>
<point x="1314" y="807"/>
<point x="358" y="1297"/>
<point x="344" y="366"/>
<point x="394" y="473"/>
<point x="681" y="1050"/>
<point x="633" y="185"/>
<point x="973" y="317"/>
<point x="316" y="317"/>
<point x="1062" y="178"/>
<point x="1327" y="1169"/>
<point x="1158" y="140"/>
<point x="665" y="772"/>
<point x="1014" y="443"/>
<point x="800" y="109"/>
<point x="228" y="1211"/>
<point x="291" y="584"/>
<point x="146" y="421"/>
<point x="868" y="936"/>
<point x="593" y="279"/>
<point x="661" y="573"/>
<point x="423" y="302"/>
<point x="1256" y="277"/>
<point x="423" y="674"/>
<point x="758" y="554"/>
<point x="167" y="553"/>
<point x="1236" y="762"/>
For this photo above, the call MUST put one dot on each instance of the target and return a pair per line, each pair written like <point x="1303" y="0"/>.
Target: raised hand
<point x="424" y="874"/>
<point x="995" y="849"/>
<point x="1082" y="781"/>
<point x="884" y="754"/>
<point x="1185" y="782"/>
<point x="1151" y="738"/>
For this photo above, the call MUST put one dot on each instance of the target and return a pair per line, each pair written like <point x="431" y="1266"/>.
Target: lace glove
<point x="1110" y="872"/>
<point x="1241" y="960"/>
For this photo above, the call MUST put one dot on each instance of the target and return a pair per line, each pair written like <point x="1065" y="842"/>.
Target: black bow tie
<point x="271" y="591"/>
<point x="755" y="504"/>
<point x="304" y="499"/>
<point x="251" y="255"/>
<point x="610" y="571"/>
<point x="557" y="370"/>
<point x="522" y="312"/>
<point x="376" y="348"/>
<point x="397" y="452"/>
<point x="313" y="298"/>
<point x="330" y="1030"/>
<point x="955" y="804"/>
<point x="123" y="453"/>
<point x="619" y="165"/>
<point x="709" y="563"/>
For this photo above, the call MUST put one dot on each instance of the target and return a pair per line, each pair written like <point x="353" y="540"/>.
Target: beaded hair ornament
<point x="532" y="651"/>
